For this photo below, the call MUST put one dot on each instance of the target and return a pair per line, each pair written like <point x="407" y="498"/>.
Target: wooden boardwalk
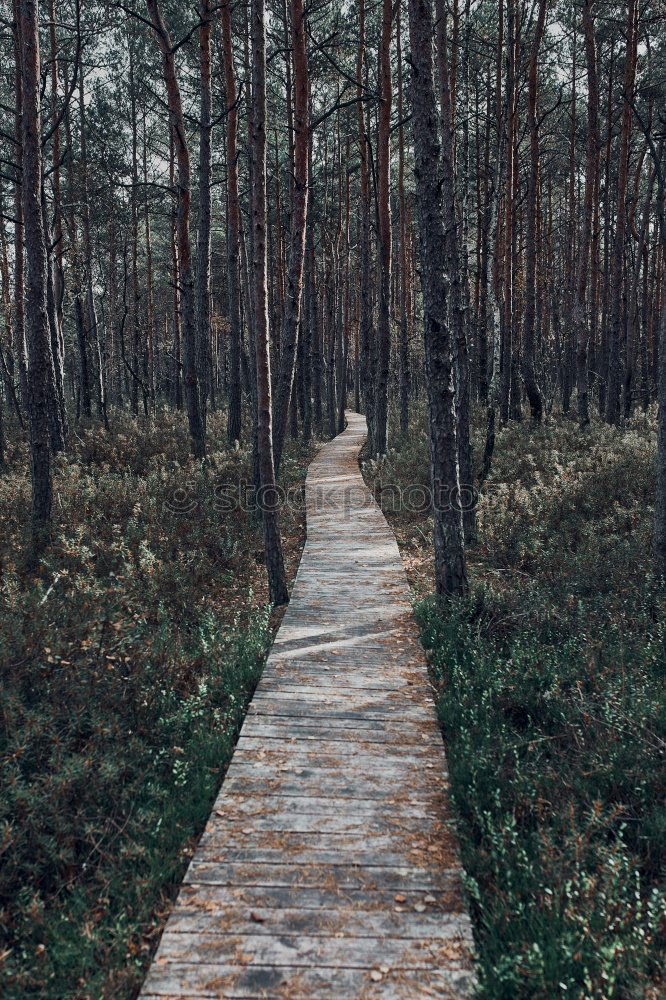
<point x="328" y="867"/>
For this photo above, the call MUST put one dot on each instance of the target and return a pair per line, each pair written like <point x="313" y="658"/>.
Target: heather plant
<point x="127" y="665"/>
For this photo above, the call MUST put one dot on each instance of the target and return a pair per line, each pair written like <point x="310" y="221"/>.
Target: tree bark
<point x="19" y="346"/>
<point x="450" y="568"/>
<point x="202" y="276"/>
<point x="189" y="339"/>
<point x="405" y="377"/>
<point x="453" y="266"/>
<point x="40" y="361"/>
<point x="233" y="228"/>
<point x="277" y="583"/>
<point x="365" y="330"/>
<point x="299" y="208"/>
<point x="617" y="268"/>
<point x="580" y="322"/>
<point x="529" y="377"/>
<point x="384" y="239"/>
<point x="92" y="326"/>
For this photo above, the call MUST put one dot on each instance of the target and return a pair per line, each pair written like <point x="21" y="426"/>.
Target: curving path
<point x="328" y="867"/>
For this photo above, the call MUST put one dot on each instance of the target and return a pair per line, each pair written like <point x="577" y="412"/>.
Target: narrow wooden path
<point x="328" y="867"/>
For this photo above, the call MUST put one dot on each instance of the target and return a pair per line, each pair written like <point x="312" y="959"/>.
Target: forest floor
<point x="550" y="694"/>
<point x="127" y="666"/>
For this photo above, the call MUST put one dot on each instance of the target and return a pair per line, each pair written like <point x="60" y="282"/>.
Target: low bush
<point x="126" y="668"/>
<point x="550" y="679"/>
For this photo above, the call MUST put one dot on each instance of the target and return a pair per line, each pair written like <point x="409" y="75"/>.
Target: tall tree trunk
<point x="40" y="375"/>
<point x="365" y="330"/>
<point x="177" y="121"/>
<point x="660" y="496"/>
<point x="450" y="568"/>
<point x="592" y="152"/>
<point x="135" y="313"/>
<point x="453" y="267"/>
<point x="507" y="350"/>
<point x="19" y="346"/>
<point x="405" y="379"/>
<point x="633" y="311"/>
<point x="531" y="386"/>
<point x="277" y="584"/>
<point x="299" y="208"/>
<point x="202" y="279"/>
<point x="150" y="353"/>
<point x="233" y="228"/>
<point x="92" y="327"/>
<point x="617" y="268"/>
<point x="383" y="348"/>
<point x="56" y="273"/>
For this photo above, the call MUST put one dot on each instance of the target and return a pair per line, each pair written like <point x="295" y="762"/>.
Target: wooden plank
<point x="306" y="950"/>
<point x="242" y="901"/>
<point x="313" y="743"/>
<point x="344" y="876"/>
<point x="189" y="980"/>
<point x="401" y="921"/>
<point x="329" y="865"/>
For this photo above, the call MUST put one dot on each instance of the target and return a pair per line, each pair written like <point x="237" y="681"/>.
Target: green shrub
<point x="125" y="670"/>
<point x="551" y="682"/>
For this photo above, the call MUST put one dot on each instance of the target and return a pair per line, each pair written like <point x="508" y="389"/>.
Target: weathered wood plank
<point x="400" y="922"/>
<point x="189" y="980"/>
<point x="329" y="865"/>
<point x="306" y="950"/>
<point x="345" y="876"/>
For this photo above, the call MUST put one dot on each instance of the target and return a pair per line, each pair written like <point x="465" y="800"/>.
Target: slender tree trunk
<point x="55" y="277"/>
<point x="531" y="386"/>
<point x="365" y="330"/>
<point x="92" y="327"/>
<point x="177" y="120"/>
<point x="150" y="354"/>
<point x="135" y="313"/>
<point x="660" y="495"/>
<point x="405" y="379"/>
<point x="39" y="347"/>
<point x="450" y="568"/>
<point x="633" y="310"/>
<point x="509" y="221"/>
<point x="580" y="322"/>
<point x="617" y="268"/>
<point x="202" y="277"/>
<point x="660" y="498"/>
<point x="233" y="228"/>
<point x="299" y="208"/>
<point x="343" y="311"/>
<point x="20" y="346"/>
<point x="383" y="349"/>
<point x="277" y="583"/>
<point x="453" y="267"/>
<point x="177" y="366"/>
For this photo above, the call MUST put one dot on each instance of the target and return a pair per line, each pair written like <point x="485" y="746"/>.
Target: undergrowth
<point x="551" y="683"/>
<point x="126" y="668"/>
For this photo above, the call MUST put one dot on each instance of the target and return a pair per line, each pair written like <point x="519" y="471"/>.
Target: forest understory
<point x="549" y="687"/>
<point x="132" y="658"/>
<point x="128" y="663"/>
